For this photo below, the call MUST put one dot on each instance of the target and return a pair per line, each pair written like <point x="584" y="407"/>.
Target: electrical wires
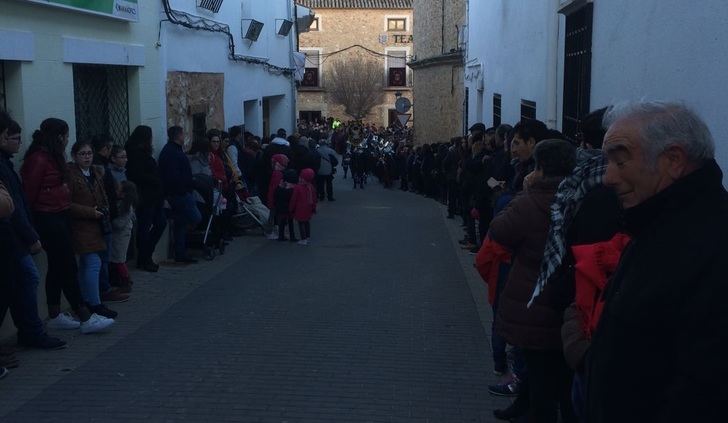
<point x="202" y="24"/>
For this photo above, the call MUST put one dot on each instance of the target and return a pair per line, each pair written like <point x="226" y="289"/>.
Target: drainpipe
<point x="552" y="29"/>
<point x="293" y="47"/>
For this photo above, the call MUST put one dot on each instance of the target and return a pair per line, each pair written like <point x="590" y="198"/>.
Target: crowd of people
<point x="85" y="212"/>
<point x="603" y="257"/>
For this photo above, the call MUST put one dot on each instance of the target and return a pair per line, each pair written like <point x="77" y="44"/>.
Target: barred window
<point x="496" y="110"/>
<point x="528" y="109"/>
<point x="101" y="100"/>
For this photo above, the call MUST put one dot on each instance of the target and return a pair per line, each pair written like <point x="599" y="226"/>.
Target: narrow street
<point x="374" y="321"/>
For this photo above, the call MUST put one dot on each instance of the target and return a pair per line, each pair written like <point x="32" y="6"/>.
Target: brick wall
<point x="342" y="28"/>
<point x="439" y="88"/>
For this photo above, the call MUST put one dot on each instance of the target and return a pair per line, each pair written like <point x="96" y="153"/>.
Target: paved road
<point x="373" y="322"/>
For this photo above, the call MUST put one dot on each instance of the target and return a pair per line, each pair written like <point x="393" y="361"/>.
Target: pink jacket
<point x="275" y="180"/>
<point x="303" y="201"/>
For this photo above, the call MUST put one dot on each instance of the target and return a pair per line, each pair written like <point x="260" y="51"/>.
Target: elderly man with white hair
<point x="660" y="351"/>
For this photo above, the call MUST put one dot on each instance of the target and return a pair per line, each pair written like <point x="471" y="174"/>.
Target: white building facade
<point x="217" y="78"/>
<point x="96" y="69"/>
<point x="558" y="59"/>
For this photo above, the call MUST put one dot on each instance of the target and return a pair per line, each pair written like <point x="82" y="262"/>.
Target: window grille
<point x="528" y="109"/>
<point x="496" y="110"/>
<point x="101" y="97"/>
<point x="397" y="69"/>
<point x="311" y="74"/>
<point x="577" y="69"/>
<point x="211" y="5"/>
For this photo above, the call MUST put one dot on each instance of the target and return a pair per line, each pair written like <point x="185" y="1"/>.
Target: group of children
<point x="291" y="197"/>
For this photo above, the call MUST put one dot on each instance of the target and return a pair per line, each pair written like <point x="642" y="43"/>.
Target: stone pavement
<point x="375" y="321"/>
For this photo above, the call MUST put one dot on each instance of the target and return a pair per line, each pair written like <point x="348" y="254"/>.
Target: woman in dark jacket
<point x="141" y="168"/>
<point x="536" y="328"/>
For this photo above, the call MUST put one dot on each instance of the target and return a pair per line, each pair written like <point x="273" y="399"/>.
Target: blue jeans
<point x="185" y="214"/>
<point x="89" y="268"/>
<point x="104" y="282"/>
<point x="24" y="304"/>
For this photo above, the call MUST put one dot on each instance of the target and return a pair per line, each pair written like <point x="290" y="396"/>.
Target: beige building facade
<point x="378" y="30"/>
<point x="438" y="68"/>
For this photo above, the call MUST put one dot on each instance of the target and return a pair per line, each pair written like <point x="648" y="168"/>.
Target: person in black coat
<point x="141" y="168"/>
<point x="659" y="351"/>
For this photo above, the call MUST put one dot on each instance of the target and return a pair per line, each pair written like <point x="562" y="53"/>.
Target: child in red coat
<point x="279" y="163"/>
<point x="303" y="203"/>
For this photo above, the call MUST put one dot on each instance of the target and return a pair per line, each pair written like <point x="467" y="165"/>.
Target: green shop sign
<point x="121" y="9"/>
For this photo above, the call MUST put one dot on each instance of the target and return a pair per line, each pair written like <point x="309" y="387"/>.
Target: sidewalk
<point x="153" y="294"/>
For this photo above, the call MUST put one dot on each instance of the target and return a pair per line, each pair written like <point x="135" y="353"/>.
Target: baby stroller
<point x="211" y="203"/>
<point x="252" y="213"/>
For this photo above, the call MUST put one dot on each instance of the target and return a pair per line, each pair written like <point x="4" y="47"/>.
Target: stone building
<point x="438" y="69"/>
<point x="384" y="27"/>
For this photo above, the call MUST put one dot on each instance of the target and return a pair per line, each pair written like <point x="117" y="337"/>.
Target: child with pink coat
<point x="303" y="203"/>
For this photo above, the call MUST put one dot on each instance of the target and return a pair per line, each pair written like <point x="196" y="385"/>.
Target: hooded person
<point x="278" y="145"/>
<point x="303" y="203"/>
<point x="282" y="201"/>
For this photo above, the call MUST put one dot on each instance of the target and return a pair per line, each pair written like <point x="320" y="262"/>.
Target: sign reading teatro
<point x="127" y="10"/>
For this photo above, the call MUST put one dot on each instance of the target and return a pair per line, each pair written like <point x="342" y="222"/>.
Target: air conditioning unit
<point x="283" y="27"/>
<point x="251" y="29"/>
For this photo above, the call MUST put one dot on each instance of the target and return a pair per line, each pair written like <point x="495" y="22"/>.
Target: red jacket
<point x="303" y="202"/>
<point x="43" y="184"/>
<point x="488" y="261"/>
<point x="218" y="170"/>
<point x="594" y="265"/>
<point x="275" y="180"/>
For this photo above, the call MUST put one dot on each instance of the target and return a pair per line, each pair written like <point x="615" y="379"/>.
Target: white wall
<point x="41" y="85"/>
<point x="515" y="41"/>
<point x="198" y="51"/>
<point x="664" y="49"/>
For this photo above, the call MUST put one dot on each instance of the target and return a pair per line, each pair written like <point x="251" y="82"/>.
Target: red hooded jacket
<point x="303" y="202"/>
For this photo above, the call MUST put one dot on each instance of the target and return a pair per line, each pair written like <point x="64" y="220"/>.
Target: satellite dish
<point x="403" y="105"/>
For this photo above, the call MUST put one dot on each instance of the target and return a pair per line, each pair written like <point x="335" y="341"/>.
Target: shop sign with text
<point x="120" y="9"/>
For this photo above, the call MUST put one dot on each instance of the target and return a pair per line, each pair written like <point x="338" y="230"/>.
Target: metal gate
<point x="577" y="69"/>
<point x="101" y="96"/>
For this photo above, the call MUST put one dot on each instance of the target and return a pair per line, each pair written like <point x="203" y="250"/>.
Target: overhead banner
<point x="121" y="9"/>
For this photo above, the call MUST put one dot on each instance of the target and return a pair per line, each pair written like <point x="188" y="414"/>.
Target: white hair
<point x="663" y="124"/>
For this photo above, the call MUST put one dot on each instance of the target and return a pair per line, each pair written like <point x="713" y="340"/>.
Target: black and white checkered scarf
<point x="587" y="175"/>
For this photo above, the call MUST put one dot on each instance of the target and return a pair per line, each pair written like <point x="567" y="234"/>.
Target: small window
<point x="496" y="110"/>
<point x="396" y="24"/>
<point x="311" y="73"/>
<point x="397" y="68"/>
<point x="528" y="109"/>
<point x="314" y="25"/>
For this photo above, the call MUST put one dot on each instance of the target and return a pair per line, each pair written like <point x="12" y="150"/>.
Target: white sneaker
<point x="303" y="242"/>
<point x="272" y="236"/>
<point x="64" y="322"/>
<point x="95" y="323"/>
